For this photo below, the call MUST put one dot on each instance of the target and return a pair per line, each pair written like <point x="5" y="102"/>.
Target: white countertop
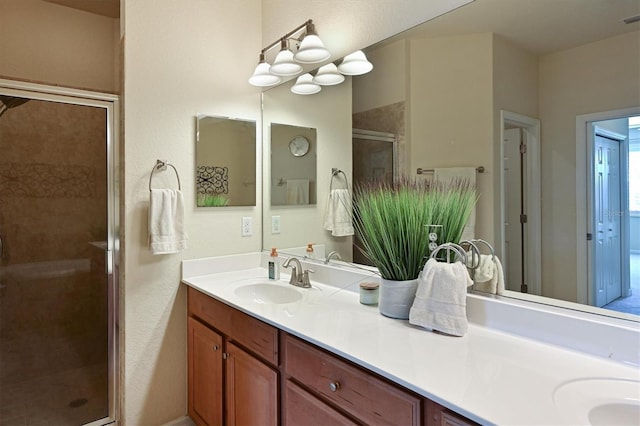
<point x="489" y="376"/>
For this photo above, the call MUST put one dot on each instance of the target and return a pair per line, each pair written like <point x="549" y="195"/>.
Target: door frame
<point x="531" y="130"/>
<point x="583" y="154"/>
<point x="111" y="104"/>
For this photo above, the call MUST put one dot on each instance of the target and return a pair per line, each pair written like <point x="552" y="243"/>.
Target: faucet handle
<point x="305" y="277"/>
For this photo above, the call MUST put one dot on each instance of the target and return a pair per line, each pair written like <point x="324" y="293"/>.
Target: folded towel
<point x="338" y="214"/>
<point x="441" y="298"/>
<point x="469" y="173"/>
<point x="298" y="191"/>
<point x="488" y="276"/>
<point x="166" y="222"/>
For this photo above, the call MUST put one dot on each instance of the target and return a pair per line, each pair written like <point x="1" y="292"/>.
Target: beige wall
<point x="329" y="112"/>
<point x="451" y="113"/>
<point x="515" y="89"/>
<point x="568" y="88"/>
<point x="48" y="43"/>
<point x="180" y="59"/>
<point x="386" y="83"/>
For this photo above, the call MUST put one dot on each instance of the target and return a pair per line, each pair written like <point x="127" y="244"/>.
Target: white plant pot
<point x="396" y="298"/>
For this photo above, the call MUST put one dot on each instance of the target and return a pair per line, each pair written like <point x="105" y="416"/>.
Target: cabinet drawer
<point x="253" y="334"/>
<point x="359" y="393"/>
<point x="302" y="408"/>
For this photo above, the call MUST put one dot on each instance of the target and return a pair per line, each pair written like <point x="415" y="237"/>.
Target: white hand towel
<point x="166" y="222"/>
<point x="441" y="298"/>
<point x="338" y="214"/>
<point x="469" y="173"/>
<point x="485" y="267"/>
<point x="491" y="276"/>
<point x="298" y="191"/>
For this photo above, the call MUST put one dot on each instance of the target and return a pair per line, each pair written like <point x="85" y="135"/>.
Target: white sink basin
<point x="268" y="293"/>
<point x="599" y="401"/>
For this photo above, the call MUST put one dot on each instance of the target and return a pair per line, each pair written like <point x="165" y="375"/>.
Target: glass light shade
<point x="305" y="85"/>
<point x="262" y="77"/>
<point x="328" y="75"/>
<point x="284" y="64"/>
<point x="311" y="50"/>
<point x="355" y="63"/>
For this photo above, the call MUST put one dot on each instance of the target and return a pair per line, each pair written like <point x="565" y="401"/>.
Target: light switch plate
<point x="275" y="224"/>
<point x="247" y="226"/>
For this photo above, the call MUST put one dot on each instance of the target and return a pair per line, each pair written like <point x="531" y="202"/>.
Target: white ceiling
<point x="110" y="8"/>
<point x="539" y="26"/>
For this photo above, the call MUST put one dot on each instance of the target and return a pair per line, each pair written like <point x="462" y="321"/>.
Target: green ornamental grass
<point x="391" y="220"/>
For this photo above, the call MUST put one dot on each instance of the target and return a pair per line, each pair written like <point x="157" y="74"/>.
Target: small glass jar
<point x="369" y="293"/>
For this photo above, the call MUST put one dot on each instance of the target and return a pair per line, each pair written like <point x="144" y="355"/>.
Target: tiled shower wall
<point x="388" y="118"/>
<point x="52" y="206"/>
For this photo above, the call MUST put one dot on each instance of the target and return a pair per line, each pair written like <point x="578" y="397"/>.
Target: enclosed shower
<point x="57" y="301"/>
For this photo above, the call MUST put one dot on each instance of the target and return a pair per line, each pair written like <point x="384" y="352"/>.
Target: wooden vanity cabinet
<point x="359" y="394"/>
<point x="243" y="371"/>
<point x="232" y="362"/>
<point x="437" y="415"/>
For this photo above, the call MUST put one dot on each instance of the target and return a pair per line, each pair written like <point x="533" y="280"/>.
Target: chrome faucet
<point x="332" y="254"/>
<point x="299" y="278"/>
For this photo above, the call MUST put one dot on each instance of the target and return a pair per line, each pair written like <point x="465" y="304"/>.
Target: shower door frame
<point x="111" y="104"/>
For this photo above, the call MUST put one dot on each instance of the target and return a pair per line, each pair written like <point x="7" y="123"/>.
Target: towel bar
<point x="421" y="171"/>
<point x="162" y="166"/>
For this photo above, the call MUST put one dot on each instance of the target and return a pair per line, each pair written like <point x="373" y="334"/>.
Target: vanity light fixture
<point x="328" y="75"/>
<point x="309" y="50"/>
<point x="284" y="64"/>
<point x="305" y="85"/>
<point x="355" y="63"/>
<point x="262" y="77"/>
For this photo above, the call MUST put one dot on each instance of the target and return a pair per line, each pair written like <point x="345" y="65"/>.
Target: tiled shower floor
<point x="49" y="400"/>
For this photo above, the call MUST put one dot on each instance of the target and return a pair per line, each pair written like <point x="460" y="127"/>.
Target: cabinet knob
<point x="334" y="386"/>
<point x="225" y="355"/>
<point x="216" y="347"/>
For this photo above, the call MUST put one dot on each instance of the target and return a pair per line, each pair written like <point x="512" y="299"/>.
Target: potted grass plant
<point x="212" y="200"/>
<point x="392" y="223"/>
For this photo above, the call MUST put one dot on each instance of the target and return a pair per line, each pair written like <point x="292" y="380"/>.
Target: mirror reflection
<point x="554" y="76"/>
<point x="293" y="165"/>
<point x="225" y="162"/>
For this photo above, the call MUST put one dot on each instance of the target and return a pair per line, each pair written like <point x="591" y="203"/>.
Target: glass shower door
<point x="56" y="294"/>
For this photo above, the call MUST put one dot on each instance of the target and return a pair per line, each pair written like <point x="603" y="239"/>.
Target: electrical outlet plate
<point x="275" y="224"/>
<point x="247" y="226"/>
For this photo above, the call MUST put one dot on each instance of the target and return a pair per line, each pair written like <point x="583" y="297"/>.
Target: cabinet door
<point x="302" y="408"/>
<point x="205" y="374"/>
<point x="251" y="390"/>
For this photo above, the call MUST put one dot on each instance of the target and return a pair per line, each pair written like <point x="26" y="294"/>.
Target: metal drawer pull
<point x="334" y="386"/>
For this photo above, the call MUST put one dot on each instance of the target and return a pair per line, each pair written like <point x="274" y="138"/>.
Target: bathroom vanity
<point x="265" y="352"/>
<point x="237" y="361"/>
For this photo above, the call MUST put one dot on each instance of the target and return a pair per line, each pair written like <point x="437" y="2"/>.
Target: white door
<point x="515" y="209"/>
<point x="608" y="215"/>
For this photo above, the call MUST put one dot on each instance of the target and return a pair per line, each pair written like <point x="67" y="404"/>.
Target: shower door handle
<point x="1" y="248"/>
<point x="108" y="261"/>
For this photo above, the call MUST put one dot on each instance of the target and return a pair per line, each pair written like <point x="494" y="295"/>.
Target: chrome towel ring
<point x="162" y="166"/>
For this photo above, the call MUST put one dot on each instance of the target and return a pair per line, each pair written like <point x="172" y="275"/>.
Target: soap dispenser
<point x="274" y="266"/>
<point x="310" y="251"/>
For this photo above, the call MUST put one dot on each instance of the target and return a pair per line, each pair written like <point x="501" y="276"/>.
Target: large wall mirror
<point x="560" y="76"/>
<point x="225" y="162"/>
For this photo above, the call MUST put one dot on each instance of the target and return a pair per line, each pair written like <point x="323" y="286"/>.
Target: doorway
<point x="58" y="257"/>
<point x="613" y="212"/>
<point x="520" y="202"/>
